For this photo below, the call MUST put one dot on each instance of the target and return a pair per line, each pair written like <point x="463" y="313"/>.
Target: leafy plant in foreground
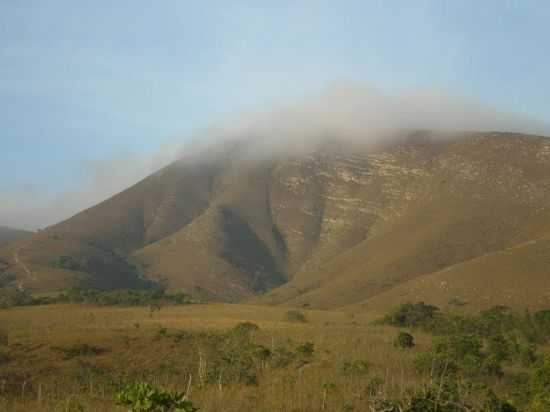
<point x="142" y="397"/>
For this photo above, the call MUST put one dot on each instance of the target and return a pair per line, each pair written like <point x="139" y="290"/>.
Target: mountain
<point x="8" y="235"/>
<point x="445" y="218"/>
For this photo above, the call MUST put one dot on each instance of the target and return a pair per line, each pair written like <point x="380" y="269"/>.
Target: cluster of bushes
<point x="445" y="396"/>
<point x="478" y="347"/>
<point x="235" y="356"/>
<point x="11" y="295"/>
<point x="497" y="320"/>
<point x="78" y="349"/>
<point x="412" y="315"/>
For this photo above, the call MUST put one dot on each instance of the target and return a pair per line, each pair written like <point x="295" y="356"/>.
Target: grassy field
<point x="164" y="347"/>
<point x="235" y="357"/>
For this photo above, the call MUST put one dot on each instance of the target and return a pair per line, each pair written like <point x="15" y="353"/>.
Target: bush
<point x="411" y="314"/>
<point x="295" y="316"/>
<point x="79" y="349"/>
<point x="305" y="350"/>
<point x="404" y="340"/>
<point x="142" y="397"/>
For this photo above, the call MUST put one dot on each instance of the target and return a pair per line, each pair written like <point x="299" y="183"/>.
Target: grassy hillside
<point x="334" y="226"/>
<point x="516" y="277"/>
<point x="463" y="204"/>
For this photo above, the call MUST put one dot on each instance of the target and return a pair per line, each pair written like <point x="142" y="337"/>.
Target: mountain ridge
<point x="332" y="226"/>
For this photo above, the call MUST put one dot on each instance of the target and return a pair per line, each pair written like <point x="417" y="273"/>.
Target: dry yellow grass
<point x="42" y="379"/>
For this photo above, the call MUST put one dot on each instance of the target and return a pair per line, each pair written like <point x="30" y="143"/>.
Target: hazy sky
<point x="82" y="82"/>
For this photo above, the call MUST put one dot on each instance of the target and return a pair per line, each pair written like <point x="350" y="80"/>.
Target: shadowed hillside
<point x="331" y="226"/>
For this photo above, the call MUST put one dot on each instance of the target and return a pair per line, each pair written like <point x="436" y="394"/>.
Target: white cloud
<point x="344" y="111"/>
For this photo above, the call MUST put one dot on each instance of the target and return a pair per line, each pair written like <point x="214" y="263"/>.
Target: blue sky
<point x="87" y="80"/>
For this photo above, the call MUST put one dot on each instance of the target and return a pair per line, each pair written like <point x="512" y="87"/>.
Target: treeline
<point x="498" y="344"/>
<point x="122" y="297"/>
<point x="12" y="296"/>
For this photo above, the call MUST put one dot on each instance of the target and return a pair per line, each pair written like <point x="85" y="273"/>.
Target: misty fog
<point x="345" y="111"/>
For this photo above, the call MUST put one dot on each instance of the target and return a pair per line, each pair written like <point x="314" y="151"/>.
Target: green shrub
<point x="142" y="397"/>
<point x="162" y="332"/>
<point x="374" y="386"/>
<point x="305" y="350"/>
<point x="404" y="340"/>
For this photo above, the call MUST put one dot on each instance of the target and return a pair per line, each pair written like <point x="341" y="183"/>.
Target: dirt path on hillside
<point x="19" y="262"/>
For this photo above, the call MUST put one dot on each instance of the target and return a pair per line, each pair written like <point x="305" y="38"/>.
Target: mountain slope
<point x="8" y="235"/>
<point x="515" y="277"/>
<point x="474" y="197"/>
<point x="331" y="226"/>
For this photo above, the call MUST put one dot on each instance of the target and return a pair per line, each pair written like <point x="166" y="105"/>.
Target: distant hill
<point x="8" y="235"/>
<point x="463" y="219"/>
